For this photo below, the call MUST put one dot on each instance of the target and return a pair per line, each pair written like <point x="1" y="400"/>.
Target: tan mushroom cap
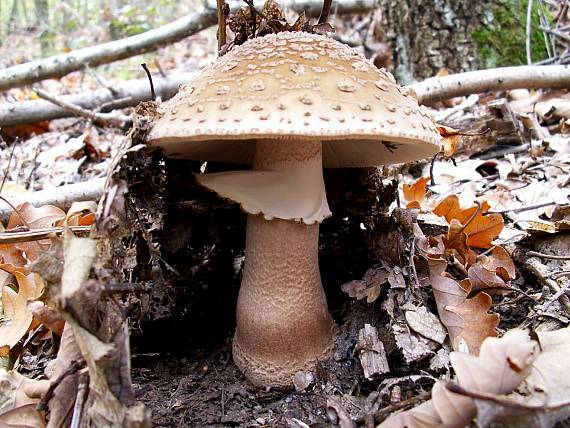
<point x="295" y="85"/>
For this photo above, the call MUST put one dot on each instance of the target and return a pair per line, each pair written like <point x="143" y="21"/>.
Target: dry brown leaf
<point x="483" y="279"/>
<point x="480" y="230"/>
<point x="500" y="262"/>
<point x="47" y="316"/>
<point x="416" y="192"/>
<point x="370" y="286"/>
<point x="10" y="254"/>
<point x="456" y="244"/>
<point x="35" y="218"/>
<point x="447" y="292"/>
<point x="483" y="229"/>
<point x="17" y="316"/>
<point x="450" y="138"/>
<point x="554" y="109"/>
<point x="500" y="367"/>
<point x="450" y="209"/>
<point x="478" y="324"/>
<point x="25" y="416"/>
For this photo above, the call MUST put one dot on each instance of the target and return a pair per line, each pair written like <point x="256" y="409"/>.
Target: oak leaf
<point x="17" y="317"/>
<point x="415" y="193"/>
<point x="500" y="367"/>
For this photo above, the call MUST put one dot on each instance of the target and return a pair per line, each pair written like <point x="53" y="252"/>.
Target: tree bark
<point x="428" y="35"/>
<point x="60" y="65"/>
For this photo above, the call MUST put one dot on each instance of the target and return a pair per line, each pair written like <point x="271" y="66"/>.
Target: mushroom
<point x="288" y="103"/>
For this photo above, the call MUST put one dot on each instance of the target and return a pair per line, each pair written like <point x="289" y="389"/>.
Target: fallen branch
<point x="126" y="94"/>
<point x="474" y="82"/>
<point x="60" y="65"/>
<point x="61" y="197"/>
<point x="103" y="119"/>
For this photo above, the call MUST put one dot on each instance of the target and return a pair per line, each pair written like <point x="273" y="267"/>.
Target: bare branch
<point x="473" y="82"/>
<point x="60" y="65"/>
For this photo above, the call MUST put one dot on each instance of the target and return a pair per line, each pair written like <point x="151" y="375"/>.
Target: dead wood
<point x="473" y="82"/>
<point x="123" y="95"/>
<point x="104" y="119"/>
<point x="60" y="65"/>
<point x="62" y="196"/>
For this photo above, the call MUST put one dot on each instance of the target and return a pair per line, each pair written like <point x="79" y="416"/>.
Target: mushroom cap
<point x="294" y="85"/>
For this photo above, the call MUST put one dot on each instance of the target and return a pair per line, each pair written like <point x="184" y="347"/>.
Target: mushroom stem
<point x="283" y="322"/>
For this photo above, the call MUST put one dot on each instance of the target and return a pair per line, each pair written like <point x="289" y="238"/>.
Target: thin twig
<point x="326" y="10"/>
<point x="529" y="32"/>
<point x="555" y="297"/>
<point x="528" y="208"/>
<point x="147" y="71"/>
<point x="556" y="33"/>
<point x="505" y="402"/>
<point x="560" y="274"/>
<point x="221" y="25"/>
<point x="546" y="256"/>
<point x="37" y="234"/>
<point x="7" y="172"/>
<point x="80" y="398"/>
<point x="101" y="118"/>
<point x="381" y="414"/>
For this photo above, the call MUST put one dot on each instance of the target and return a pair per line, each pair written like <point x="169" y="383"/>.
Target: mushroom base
<point x="283" y="322"/>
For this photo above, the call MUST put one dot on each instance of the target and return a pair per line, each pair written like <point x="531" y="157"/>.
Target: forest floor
<point x="495" y="217"/>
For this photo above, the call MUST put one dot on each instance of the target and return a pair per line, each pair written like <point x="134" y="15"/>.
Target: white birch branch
<point x="474" y="82"/>
<point x="127" y="94"/>
<point x="62" y="196"/>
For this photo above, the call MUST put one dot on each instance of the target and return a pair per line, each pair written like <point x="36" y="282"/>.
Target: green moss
<point x="502" y="40"/>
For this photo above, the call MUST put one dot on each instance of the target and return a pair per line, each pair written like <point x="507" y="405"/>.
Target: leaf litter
<point x="446" y="317"/>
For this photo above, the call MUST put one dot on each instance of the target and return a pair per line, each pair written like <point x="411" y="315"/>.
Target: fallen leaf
<point x="47" y="316"/>
<point x="455" y="243"/>
<point x="450" y="139"/>
<point x="427" y="324"/>
<point x="499" y="262"/>
<point x="370" y="286"/>
<point x="17" y="317"/>
<point x="478" y="324"/>
<point x="35" y="218"/>
<point x="553" y="109"/>
<point x="500" y="367"/>
<point x="416" y="192"/>
<point x="481" y="229"/>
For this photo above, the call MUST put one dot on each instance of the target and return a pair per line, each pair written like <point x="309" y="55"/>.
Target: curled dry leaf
<point x="499" y="262"/>
<point x="34" y="218"/>
<point x="370" y="286"/>
<point x="467" y="320"/>
<point x="481" y="229"/>
<point x="455" y="243"/>
<point x="9" y="254"/>
<point x="450" y="137"/>
<point x="554" y="109"/>
<point x="415" y="193"/>
<point x="500" y="367"/>
<point x="19" y="396"/>
<point x="47" y="316"/>
<point x="17" y="317"/>
<point x="447" y="292"/>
